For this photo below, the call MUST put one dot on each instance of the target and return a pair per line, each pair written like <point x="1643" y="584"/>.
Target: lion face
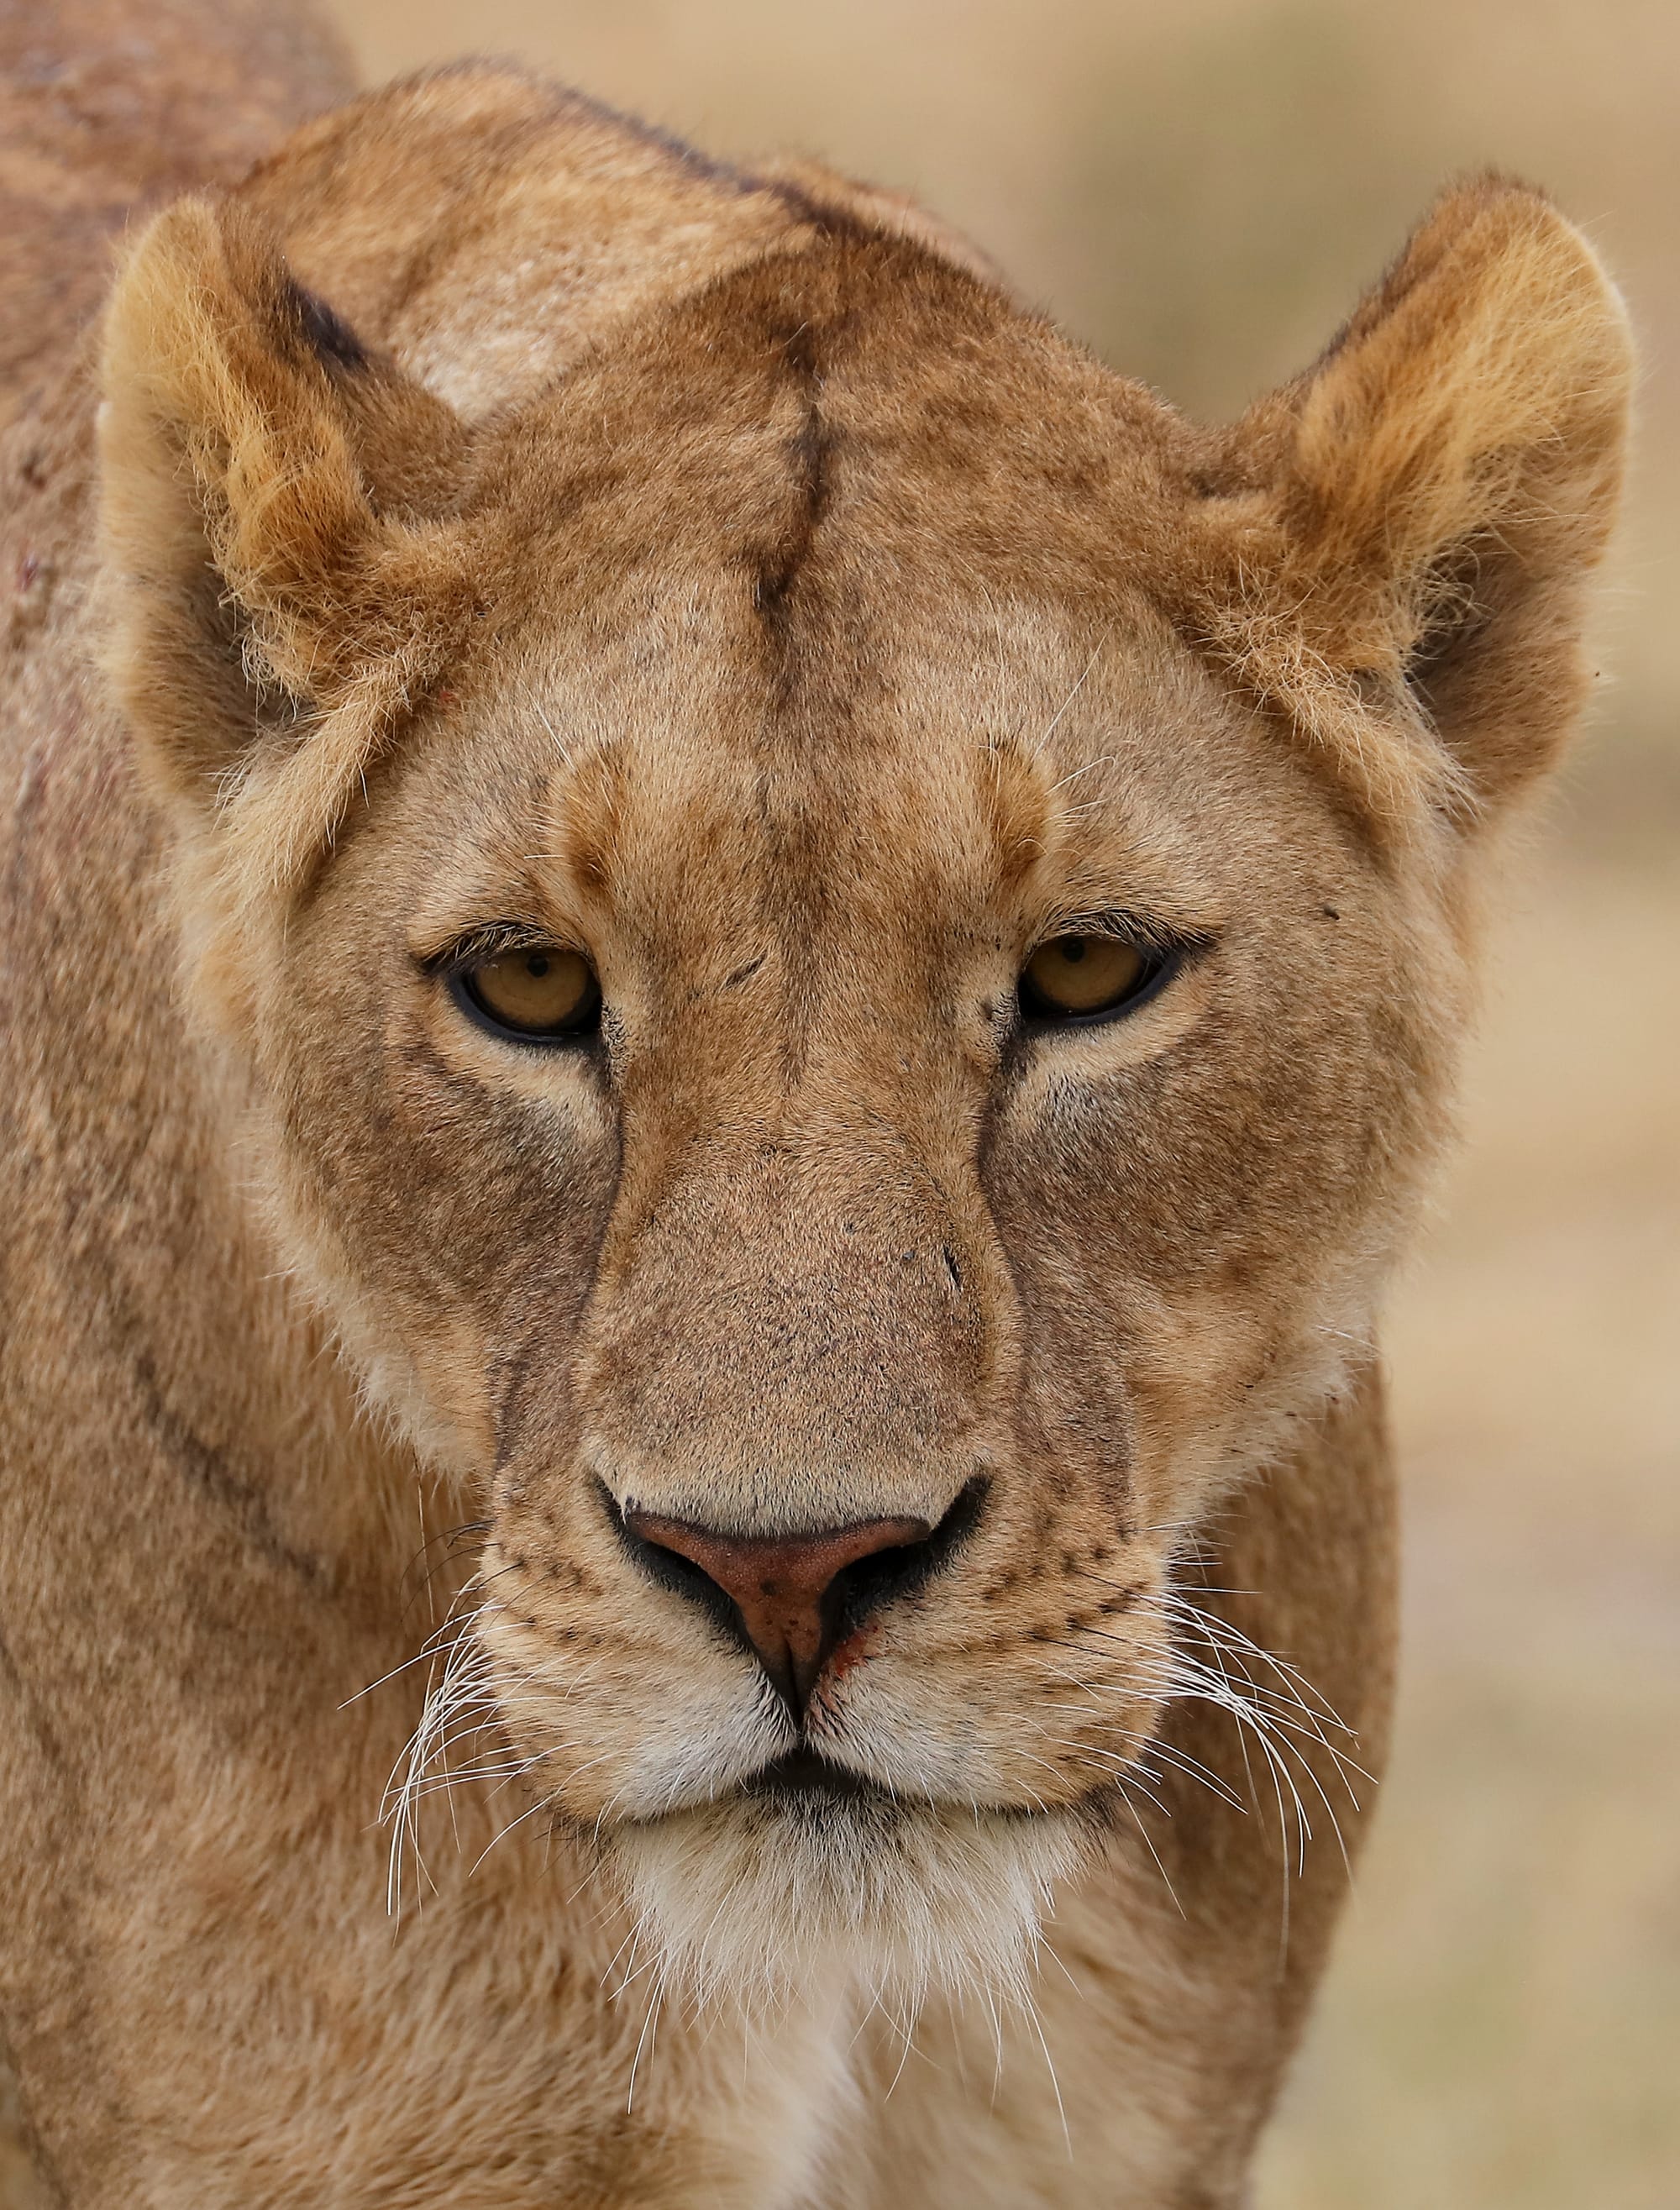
<point x="823" y="1224"/>
<point x="843" y="1080"/>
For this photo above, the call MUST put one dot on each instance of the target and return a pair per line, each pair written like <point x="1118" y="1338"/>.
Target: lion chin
<point x="775" y="1892"/>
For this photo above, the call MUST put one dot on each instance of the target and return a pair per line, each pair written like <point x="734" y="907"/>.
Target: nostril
<point x="673" y="1569"/>
<point x="890" y="1576"/>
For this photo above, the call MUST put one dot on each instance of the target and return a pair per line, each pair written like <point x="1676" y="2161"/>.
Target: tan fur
<point x="722" y="574"/>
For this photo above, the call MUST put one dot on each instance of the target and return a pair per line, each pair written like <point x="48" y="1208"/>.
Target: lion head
<point x="841" y="943"/>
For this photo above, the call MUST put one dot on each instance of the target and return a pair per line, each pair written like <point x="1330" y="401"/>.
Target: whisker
<point x="1055" y="718"/>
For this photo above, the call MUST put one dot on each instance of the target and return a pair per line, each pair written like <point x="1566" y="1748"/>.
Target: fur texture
<point x="509" y="519"/>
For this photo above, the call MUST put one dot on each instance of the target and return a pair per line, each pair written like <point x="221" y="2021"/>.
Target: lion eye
<point x="541" y="995"/>
<point x="1081" y="978"/>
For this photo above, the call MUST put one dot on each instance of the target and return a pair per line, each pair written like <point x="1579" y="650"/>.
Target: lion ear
<point x="1426" y="505"/>
<point x="276" y="543"/>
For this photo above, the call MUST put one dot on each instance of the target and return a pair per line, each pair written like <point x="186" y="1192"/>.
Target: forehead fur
<point x="848" y="506"/>
<point x="852" y="425"/>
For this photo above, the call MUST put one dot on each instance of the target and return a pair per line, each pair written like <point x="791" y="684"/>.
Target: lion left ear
<point x="282" y="571"/>
<point x="1418" y="515"/>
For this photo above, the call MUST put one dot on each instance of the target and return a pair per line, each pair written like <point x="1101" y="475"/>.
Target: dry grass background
<point x="1200" y="191"/>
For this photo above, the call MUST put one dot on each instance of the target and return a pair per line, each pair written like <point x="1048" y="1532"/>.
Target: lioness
<point x="727" y="985"/>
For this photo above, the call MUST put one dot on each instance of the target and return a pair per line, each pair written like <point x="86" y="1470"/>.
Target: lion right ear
<point x="1415" y="521"/>
<point x="274" y="509"/>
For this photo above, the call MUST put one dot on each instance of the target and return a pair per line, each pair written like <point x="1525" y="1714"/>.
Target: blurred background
<point x="1200" y="191"/>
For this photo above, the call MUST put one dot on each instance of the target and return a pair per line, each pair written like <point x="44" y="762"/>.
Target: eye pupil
<point x="1072" y="948"/>
<point x="537" y="964"/>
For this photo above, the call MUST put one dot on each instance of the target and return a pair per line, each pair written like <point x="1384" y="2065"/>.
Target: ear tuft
<point x="1422" y="511"/>
<point x="269" y="568"/>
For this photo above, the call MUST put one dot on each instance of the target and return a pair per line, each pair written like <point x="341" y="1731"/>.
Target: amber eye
<point x="539" y="994"/>
<point x="1085" y="978"/>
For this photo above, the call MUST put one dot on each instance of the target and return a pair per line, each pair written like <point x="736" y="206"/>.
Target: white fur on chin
<point x="760" y="1901"/>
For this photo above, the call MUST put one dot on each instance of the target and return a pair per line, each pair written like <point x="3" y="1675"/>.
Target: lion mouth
<point x="803" y="1780"/>
<point x="803" y="1777"/>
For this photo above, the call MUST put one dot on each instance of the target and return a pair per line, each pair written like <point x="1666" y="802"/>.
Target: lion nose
<point x="795" y="1597"/>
